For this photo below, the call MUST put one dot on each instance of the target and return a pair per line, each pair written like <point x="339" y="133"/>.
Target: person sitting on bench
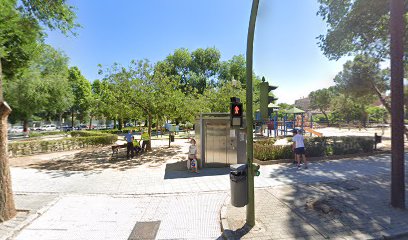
<point x="136" y="146"/>
<point x="146" y="140"/>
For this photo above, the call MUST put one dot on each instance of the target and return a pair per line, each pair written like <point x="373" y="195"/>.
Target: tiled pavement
<point x="185" y="216"/>
<point x="357" y="208"/>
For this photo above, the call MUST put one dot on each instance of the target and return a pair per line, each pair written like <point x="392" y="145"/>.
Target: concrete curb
<point x="27" y="221"/>
<point x="223" y="219"/>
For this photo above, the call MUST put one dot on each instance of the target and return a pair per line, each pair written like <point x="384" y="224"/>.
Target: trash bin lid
<point x="238" y="167"/>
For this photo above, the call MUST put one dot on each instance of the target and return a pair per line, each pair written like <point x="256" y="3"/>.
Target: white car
<point x="17" y="129"/>
<point x="50" y="127"/>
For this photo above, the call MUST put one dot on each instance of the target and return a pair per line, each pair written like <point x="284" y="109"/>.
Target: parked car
<point x="81" y="127"/>
<point x="66" y="128"/>
<point x="101" y="127"/>
<point x="16" y="129"/>
<point x="50" y="127"/>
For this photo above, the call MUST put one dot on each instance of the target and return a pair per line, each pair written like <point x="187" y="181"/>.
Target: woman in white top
<point x="192" y="153"/>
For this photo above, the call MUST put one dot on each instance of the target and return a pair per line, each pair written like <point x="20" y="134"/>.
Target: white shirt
<point x="192" y="149"/>
<point x="298" y="139"/>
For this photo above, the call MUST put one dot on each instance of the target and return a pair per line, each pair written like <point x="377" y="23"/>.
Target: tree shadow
<point x="95" y="160"/>
<point x="353" y="205"/>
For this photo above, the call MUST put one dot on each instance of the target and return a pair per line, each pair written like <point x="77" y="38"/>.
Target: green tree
<point x="355" y="26"/>
<point x="42" y="87"/>
<point x="363" y="80"/>
<point x="19" y="29"/>
<point x="235" y="68"/>
<point x="377" y="114"/>
<point x="321" y="99"/>
<point x="197" y="69"/>
<point x="82" y="91"/>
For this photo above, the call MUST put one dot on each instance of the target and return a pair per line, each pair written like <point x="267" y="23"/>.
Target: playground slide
<point x="311" y="131"/>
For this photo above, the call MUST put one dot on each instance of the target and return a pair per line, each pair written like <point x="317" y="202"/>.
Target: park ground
<point x="85" y="194"/>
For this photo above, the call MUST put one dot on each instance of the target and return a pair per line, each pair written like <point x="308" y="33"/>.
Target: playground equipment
<point x="293" y="118"/>
<point x="286" y="126"/>
<point x="311" y="131"/>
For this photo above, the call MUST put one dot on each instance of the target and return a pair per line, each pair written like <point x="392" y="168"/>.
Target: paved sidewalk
<point x="348" y="209"/>
<point x="104" y="199"/>
<point x="79" y="217"/>
<point x="29" y="207"/>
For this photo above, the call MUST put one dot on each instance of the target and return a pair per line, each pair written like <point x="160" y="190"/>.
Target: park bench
<point x="115" y="148"/>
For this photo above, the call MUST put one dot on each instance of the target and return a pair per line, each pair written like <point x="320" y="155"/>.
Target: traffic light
<point x="255" y="168"/>
<point x="236" y="112"/>
<point x="265" y="99"/>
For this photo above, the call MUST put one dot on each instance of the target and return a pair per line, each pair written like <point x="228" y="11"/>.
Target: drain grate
<point x="144" y="230"/>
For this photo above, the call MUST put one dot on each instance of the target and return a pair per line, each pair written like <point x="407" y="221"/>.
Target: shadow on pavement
<point x="345" y="203"/>
<point x="332" y="171"/>
<point x="98" y="159"/>
<point x="239" y="233"/>
<point x="179" y="170"/>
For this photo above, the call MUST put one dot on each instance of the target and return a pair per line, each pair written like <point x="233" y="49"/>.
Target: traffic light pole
<point x="250" y="215"/>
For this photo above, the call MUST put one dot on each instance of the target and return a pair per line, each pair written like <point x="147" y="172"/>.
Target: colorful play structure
<point x="293" y="118"/>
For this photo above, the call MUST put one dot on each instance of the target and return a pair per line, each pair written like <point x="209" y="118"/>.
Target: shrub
<point x="270" y="152"/>
<point x="86" y="133"/>
<point x="346" y="145"/>
<point x="315" y="147"/>
<point x="39" y="134"/>
<point x="367" y="144"/>
<point x="80" y="139"/>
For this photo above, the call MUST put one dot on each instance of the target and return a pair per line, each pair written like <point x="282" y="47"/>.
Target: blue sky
<point x="285" y="47"/>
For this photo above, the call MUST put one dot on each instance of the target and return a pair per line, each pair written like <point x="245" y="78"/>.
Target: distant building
<point x="303" y="103"/>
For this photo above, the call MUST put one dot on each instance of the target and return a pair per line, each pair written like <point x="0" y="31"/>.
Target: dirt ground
<point x="100" y="158"/>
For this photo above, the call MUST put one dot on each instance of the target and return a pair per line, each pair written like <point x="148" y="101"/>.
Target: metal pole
<point x="397" y="106"/>
<point x="250" y="216"/>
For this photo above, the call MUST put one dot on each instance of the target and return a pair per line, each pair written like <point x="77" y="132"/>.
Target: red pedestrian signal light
<point x="236" y="112"/>
<point x="236" y="109"/>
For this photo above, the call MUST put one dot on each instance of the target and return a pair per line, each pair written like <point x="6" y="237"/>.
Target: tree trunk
<point x="72" y="120"/>
<point x="60" y="121"/>
<point x="90" y="122"/>
<point x="157" y="126"/>
<point x="120" y="124"/>
<point x="7" y="206"/>
<point x="149" y="131"/>
<point x="327" y="117"/>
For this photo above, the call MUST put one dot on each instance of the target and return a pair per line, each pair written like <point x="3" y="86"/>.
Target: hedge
<point x="315" y="147"/>
<point x="38" y="134"/>
<point x="78" y="141"/>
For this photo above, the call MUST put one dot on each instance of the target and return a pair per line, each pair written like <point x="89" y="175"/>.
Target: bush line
<point x="79" y="139"/>
<point x="315" y="147"/>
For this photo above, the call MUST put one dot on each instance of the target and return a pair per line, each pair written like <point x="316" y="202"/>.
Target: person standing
<point x="129" y="147"/>
<point x="299" y="147"/>
<point x="146" y="140"/>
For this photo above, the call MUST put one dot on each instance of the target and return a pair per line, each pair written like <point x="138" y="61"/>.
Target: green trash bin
<point x="239" y="185"/>
<point x="171" y="138"/>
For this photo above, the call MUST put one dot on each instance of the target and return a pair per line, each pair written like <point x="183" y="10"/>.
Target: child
<point x="299" y="147"/>
<point x="192" y="156"/>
